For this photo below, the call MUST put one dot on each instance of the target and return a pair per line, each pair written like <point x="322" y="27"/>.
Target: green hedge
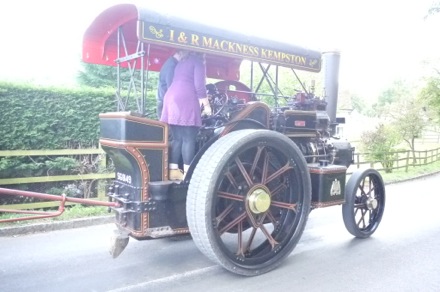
<point x="51" y="118"/>
<point x="33" y="117"/>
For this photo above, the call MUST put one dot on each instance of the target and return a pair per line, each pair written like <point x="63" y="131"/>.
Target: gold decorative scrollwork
<point x="157" y="33"/>
<point x="313" y="62"/>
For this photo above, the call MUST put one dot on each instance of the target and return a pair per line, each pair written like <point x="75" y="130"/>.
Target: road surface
<point x="403" y="255"/>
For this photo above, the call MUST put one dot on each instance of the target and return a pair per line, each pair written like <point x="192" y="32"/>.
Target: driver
<point x="181" y="111"/>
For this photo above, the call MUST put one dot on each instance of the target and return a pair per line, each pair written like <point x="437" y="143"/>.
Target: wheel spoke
<point x="251" y="239"/>
<point x="257" y="158"/>
<point x="284" y="205"/>
<point x="224" y="213"/>
<point x="265" y="169"/>
<point x="240" y="251"/>
<point x="278" y="189"/>
<point x="230" y="196"/>
<point x="269" y="237"/>
<point x="232" y="179"/>
<point x="362" y="218"/>
<point x="233" y="223"/>
<point x="243" y="171"/>
<point x="271" y="218"/>
<point x="277" y="173"/>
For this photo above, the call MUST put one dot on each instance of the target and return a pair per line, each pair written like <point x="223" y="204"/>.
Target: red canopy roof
<point x="224" y="49"/>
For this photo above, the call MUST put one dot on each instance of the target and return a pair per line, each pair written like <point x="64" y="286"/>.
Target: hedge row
<point x="51" y="118"/>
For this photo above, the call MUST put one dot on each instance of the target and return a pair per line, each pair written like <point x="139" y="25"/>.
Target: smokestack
<point x="331" y="82"/>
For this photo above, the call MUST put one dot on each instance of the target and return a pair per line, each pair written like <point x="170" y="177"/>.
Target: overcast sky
<point x="380" y="40"/>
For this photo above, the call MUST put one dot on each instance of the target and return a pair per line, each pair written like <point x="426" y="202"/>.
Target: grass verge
<point x="413" y="172"/>
<point x="71" y="212"/>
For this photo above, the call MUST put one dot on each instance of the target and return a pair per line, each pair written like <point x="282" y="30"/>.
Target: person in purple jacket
<point x="166" y="76"/>
<point x="182" y="112"/>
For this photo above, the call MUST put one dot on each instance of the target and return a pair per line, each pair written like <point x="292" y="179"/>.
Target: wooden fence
<point x="55" y="178"/>
<point x="403" y="159"/>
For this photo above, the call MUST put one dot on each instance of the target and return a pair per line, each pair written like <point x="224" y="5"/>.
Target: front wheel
<point x="248" y="201"/>
<point x="364" y="202"/>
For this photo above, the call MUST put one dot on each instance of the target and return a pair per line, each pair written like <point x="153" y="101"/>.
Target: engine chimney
<point x="331" y="82"/>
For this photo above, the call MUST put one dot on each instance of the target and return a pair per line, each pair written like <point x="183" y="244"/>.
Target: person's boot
<point x="175" y="174"/>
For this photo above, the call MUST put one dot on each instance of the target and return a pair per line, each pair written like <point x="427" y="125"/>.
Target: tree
<point x="435" y="8"/>
<point x="100" y="76"/>
<point x="397" y="92"/>
<point x="379" y="144"/>
<point x="409" y="121"/>
<point x="97" y="76"/>
<point x="431" y="94"/>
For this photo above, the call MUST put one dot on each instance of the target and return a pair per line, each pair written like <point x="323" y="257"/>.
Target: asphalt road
<point x="403" y="255"/>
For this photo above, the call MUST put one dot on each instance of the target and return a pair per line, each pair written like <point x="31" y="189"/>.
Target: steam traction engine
<point x="258" y="171"/>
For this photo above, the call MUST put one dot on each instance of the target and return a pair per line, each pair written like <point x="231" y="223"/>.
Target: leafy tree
<point x="431" y="94"/>
<point x="379" y="144"/>
<point x="398" y="92"/>
<point x="100" y="76"/>
<point x="97" y="76"/>
<point x="435" y="8"/>
<point x="408" y="120"/>
<point x="350" y="101"/>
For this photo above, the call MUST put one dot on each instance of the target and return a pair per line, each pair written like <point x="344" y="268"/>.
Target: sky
<point x="380" y="40"/>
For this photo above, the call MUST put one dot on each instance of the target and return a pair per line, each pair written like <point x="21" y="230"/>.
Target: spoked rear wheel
<point x="248" y="201"/>
<point x="364" y="202"/>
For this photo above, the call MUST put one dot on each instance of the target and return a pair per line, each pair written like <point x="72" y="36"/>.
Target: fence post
<point x="101" y="184"/>
<point x="407" y="161"/>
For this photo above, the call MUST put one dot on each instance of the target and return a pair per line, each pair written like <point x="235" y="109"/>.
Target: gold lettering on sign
<point x="207" y="42"/>
<point x="224" y="45"/>
<point x="182" y="38"/>
<point x="195" y="40"/>
<point x="172" y="35"/>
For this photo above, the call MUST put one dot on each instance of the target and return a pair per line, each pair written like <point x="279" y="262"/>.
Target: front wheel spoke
<point x="226" y="195"/>
<point x="371" y="217"/>
<point x="269" y="237"/>
<point x="277" y="173"/>
<point x="362" y="218"/>
<point x="233" y="223"/>
<point x="243" y="171"/>
<point x="366" y="193"/>
<point x="356" y="209"/>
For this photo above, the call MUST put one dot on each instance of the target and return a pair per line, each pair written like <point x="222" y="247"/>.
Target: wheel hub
<point x="371" y="204"/>
<point x="259" y="201"/>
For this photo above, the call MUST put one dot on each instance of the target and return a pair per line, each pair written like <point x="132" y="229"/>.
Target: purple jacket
<point x="181" y="101"/>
